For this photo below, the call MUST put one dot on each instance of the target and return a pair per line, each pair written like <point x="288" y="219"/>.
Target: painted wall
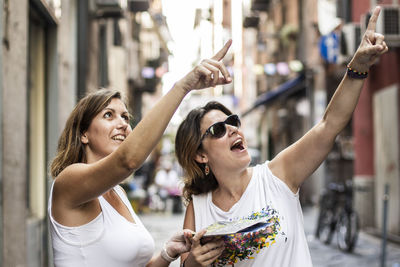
<point x="369" y="169"/>
<point x="14" y="132"/>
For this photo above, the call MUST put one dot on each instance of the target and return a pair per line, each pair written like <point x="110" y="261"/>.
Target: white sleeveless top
<point x="110" y="240"/>
<point x="264" y="191"/>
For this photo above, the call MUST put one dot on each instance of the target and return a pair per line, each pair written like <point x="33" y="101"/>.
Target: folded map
<point x="245" y="236"/>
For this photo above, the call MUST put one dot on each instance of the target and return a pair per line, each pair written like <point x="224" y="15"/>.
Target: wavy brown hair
<point x="188" y="144"/>
<point x="70" y="149"/>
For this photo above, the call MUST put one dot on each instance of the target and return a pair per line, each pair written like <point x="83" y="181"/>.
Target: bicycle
<point x="337" y="215"/>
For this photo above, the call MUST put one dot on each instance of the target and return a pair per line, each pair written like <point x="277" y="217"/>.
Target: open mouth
<point x="118" y="138"/>
<point x="237" y="146"/>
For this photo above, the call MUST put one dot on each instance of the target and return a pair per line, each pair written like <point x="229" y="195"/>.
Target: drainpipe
<point x="82" y="57"/>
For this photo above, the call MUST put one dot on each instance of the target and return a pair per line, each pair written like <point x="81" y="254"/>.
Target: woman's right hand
<point x="207" y="73"/>
<point x="372" y="46"/>
<point x="204" y="255"/>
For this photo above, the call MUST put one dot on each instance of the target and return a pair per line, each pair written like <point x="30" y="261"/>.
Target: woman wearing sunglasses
<point x="220" y="186"/>
<point x="91" y="220"/>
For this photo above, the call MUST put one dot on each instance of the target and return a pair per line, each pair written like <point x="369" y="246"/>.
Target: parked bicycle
<point x="337" y="215"/>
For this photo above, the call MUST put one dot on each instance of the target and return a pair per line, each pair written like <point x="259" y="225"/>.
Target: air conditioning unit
<point x="251" y="22"/>
<point x="388" y="24"/>
<point x="260" y="5"/>
<point x="350" y="38"/>
<point x="138" y="5"/>
<point x="109" y="8"/>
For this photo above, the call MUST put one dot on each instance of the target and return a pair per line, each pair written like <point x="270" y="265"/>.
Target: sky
<point x="180" y="19"/>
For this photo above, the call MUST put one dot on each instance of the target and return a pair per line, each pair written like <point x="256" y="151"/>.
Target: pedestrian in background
<point x="220" y="185"/>
<point x="91" y="220"/>
<point x="168" y="183"/>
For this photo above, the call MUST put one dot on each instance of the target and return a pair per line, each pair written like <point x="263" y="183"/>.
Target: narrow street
<point x="126" y="73"/>
<point x="366" y="253"/>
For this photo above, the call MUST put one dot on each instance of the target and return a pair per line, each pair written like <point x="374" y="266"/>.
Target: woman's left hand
<point x="372" y="46"/>
<point x="179" y="243"/>
<point x="204" y="254"/>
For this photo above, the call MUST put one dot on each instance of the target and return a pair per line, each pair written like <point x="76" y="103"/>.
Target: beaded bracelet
<point x="165" y="256"/>
<point x="356" y="74"/>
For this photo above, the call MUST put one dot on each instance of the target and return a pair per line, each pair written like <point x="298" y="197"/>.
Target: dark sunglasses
<point x="218" y="129"/>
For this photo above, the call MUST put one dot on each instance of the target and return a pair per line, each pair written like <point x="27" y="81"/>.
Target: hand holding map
<point x="244" y="237"/>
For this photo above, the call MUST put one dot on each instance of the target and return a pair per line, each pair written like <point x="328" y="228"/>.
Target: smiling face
<point x="107" y="131"/>
<point x="228" y="152"/>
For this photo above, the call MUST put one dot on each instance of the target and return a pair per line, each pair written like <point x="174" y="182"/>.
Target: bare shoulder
<point x="67" y="186"/>
<point x="68" y="214"/>
<point x="71" y="170"/>
<point x="67" y="181"/>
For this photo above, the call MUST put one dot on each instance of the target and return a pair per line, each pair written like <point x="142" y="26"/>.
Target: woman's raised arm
<point x="300" y="160"/>
<point x="79" y="183"/>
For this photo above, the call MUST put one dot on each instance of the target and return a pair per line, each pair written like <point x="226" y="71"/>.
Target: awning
<point x="284" y="90"/>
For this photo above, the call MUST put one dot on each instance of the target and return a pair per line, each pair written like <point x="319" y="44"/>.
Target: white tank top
<point x="264" y="191"/>
<point x="107" y="241"/>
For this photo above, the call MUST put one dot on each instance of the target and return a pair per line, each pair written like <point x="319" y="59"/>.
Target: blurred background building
<point x="286" y="60"/>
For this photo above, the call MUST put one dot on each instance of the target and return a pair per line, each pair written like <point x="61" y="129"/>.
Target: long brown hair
<point x="187" y="145"/>
<point x="70" y="148"/>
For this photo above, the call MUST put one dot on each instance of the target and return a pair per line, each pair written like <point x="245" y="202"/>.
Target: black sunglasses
<point x="218" y="129"/>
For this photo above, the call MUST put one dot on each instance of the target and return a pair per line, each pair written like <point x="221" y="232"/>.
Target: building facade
<point x="376" y="125"/>
<point x="281" y="62"/>
<point x="52" y="53"/>
<point x="29" y="102"/>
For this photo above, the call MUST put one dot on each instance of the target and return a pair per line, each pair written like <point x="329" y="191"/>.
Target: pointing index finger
<point x="373" y="19"/>
<point x="221" y="53"/>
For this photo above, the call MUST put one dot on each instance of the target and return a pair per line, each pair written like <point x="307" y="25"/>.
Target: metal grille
<point x="391" y="21"/>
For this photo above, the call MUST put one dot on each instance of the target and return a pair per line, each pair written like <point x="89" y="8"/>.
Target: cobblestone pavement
<point x="367" y="251"/>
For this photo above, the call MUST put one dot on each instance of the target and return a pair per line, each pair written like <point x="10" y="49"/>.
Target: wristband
<point x="165" y="256"/>
<point x="352" y="73"/>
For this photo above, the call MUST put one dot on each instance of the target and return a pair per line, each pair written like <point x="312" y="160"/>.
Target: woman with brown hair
<point x="91" y="220"/>
<point x="220" y="185"/>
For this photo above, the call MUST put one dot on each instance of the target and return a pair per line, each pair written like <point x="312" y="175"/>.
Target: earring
<point x="206" y="169"/>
